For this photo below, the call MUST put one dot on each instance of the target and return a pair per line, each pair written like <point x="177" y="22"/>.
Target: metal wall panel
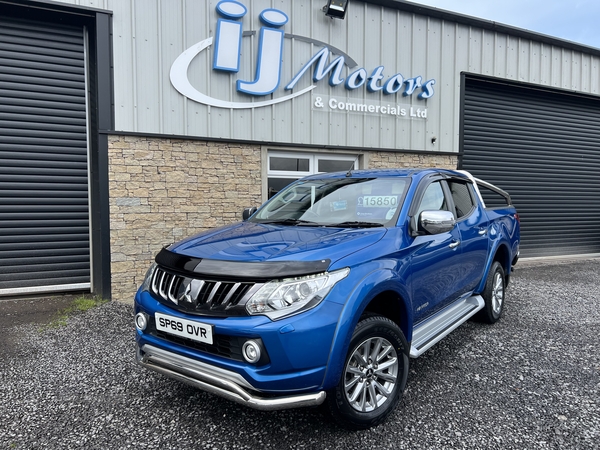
<point x="150" y="34"/>
<point x="542" y="147"/>
<point x="149" y="79"/>
<point x="44" y="214"/>
<point x="170" y="41"/>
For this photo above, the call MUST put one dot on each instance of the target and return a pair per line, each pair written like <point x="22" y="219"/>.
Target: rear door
<point x="473" y="224"/>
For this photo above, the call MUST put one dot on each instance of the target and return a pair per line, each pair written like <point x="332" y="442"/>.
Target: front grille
<point x="201" y="296"/>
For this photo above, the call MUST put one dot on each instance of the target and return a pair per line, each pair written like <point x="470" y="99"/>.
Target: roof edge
<point x="416" y="8"/>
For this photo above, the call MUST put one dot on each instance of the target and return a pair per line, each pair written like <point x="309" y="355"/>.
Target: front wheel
<point x="493" y="294"/>
<point x="374" y="375"/>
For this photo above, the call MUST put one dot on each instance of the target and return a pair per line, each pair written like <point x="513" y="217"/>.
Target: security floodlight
<point x="336" y="8"/>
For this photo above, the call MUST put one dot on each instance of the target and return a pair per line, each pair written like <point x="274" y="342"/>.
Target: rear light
<point x="517" y="218"/>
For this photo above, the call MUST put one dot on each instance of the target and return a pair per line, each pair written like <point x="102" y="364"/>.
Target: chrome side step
<point x="436" y="328"/>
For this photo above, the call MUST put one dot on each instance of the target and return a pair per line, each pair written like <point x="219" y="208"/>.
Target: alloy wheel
<point x="371" y="374"/>
<point x="497" y="293"/>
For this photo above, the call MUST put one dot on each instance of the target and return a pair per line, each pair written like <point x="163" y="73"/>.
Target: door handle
<point x="454" y="244"/>
<point x="483" y="231"/>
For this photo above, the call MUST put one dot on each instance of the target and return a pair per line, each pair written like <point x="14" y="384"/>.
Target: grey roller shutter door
<point x="44" y="211"/>
<point x="543" y="147"/>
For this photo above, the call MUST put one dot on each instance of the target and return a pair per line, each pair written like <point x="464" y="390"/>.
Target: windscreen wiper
<point x="355" y="224"/>
<point x="290" y="221"/>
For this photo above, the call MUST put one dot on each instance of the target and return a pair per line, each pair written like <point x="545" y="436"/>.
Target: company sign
<point x="227" y="57"/>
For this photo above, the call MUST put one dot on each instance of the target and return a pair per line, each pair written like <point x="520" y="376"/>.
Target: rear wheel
<point x="493" y="294"/>
<point x="374" y="375"/>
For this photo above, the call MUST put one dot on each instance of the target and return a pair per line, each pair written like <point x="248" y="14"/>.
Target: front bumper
<point x="298" y="347"/>
<point x="221" y="382"/>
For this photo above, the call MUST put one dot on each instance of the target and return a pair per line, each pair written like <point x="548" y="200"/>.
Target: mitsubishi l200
<point x="326" y="291"/>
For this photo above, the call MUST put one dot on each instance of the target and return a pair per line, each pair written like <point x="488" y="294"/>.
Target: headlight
<point x="284" y="297"/>
<point x="148" y="278"/>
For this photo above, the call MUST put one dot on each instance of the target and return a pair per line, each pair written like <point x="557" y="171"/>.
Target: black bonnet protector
<point x="236" y="270"/>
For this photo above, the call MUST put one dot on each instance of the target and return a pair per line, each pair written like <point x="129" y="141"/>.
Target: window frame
<point x="469" y="186"/>
<point x="314" y="156"/>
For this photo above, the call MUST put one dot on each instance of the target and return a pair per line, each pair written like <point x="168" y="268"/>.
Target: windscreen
<point x="336" y="202"/>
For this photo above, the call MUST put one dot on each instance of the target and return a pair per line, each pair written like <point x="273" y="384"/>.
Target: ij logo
<point x="227" y="56"/>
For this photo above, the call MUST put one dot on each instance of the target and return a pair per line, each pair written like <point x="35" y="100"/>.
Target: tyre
<point x="373" y="377"/>
<point x="493" y="294"/>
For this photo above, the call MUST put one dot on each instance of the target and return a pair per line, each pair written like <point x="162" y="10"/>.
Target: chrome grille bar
<point x="230" y="293"/>
<point x="173" y="286"/>
<point x="212" y="294"/>
<point x="161" y="285"/>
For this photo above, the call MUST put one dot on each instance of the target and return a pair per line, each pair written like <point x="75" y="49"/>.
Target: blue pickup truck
<point x="325" y="292"/>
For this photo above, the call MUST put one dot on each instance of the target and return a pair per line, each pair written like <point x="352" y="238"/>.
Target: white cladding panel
<point x="150" y="34"/>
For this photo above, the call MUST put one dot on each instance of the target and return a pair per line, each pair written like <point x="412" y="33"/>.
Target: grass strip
<point x="80" y="304"/>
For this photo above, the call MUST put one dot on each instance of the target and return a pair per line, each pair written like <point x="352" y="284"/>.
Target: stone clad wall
<point x="384" y="160"/>
<point x="162" y="190"/>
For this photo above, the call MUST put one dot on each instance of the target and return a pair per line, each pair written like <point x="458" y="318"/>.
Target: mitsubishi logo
<point x="186" y="295"/>
<point x="189" y="290"/>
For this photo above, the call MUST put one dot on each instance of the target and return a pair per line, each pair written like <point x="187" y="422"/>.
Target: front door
<point x="435" y="280"/>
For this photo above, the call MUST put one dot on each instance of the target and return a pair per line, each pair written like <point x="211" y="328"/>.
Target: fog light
<point x="141" y="321"/>
<point x="251" y="351"/>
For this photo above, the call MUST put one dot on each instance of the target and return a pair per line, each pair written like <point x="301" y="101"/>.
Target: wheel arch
<point x="382" y="293"/>
<point x="501" y="254"/>
<point x="391" y="305"/>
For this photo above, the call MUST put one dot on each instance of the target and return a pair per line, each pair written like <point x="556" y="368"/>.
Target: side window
<point x="492" y="198"/>
<point x="463" y="200"/>
<point x="433" y="199"/>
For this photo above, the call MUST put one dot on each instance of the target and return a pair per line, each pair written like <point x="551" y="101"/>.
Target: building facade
<point x="129" y="124"/>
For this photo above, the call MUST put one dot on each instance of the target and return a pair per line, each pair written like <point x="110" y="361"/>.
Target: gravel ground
<point x="532" y="381"/>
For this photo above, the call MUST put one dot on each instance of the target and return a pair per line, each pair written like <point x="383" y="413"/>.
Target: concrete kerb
<point x="552" y="260"/>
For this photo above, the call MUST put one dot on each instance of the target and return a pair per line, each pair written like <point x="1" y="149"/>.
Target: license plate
<point x="196" y="331"/>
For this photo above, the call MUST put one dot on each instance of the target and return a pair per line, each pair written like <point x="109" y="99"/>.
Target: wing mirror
<point x="248" y="212"/>
<point x="436" y="222"/>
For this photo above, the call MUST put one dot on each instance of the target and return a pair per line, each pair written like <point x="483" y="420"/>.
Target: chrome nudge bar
<point x="218" y="381"/>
